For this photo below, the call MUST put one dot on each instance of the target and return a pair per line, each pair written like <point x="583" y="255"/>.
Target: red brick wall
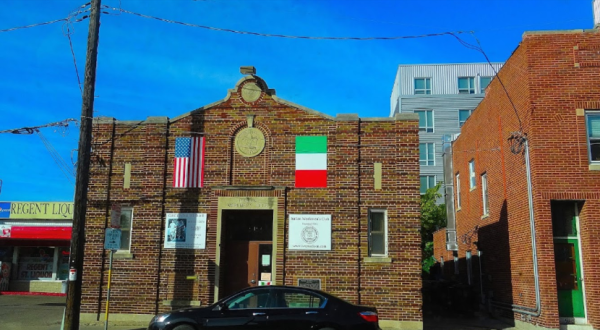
<point x="140" y="285"/>
<point x="546" y="88"/>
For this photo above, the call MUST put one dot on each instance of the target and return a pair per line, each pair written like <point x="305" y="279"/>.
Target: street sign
<point x="112" y="239"/>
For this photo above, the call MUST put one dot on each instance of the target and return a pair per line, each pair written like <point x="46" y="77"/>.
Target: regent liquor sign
<point x="36" y="210"/>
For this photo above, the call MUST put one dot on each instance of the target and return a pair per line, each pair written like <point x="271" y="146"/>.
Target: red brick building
<point x="282" y="195"/>
<point x="528" y="160"/>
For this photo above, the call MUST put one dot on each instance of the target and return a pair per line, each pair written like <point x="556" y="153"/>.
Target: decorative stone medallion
<point x="249" y="142"/>
<point x="251" y="92"/>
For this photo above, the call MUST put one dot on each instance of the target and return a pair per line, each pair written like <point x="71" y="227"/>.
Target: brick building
<point x="529" y="163"/>
<point x="282" y="195"/>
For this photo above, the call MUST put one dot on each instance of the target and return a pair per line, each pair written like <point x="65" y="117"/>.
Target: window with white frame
<point x="483" y="83"/>
<point x="593" y="128"/>
<point x="469" y="267"/>
<point x="484" y="194"/>
<point x="427" y="181"/>
<point x="466" y="85"/>
<point x="472" y="178"/>
<point x="427" y="154"/>
<point x="422" y="86"/>
<point x="126" y="224"/>
<point x="425" y="120"/>
<point x="457" y="191"/>
<point x="463" y="115"/>
<point x="377" y="233"/>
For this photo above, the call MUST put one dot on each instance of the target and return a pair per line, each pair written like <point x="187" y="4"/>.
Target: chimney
<point x="596" y="5"/>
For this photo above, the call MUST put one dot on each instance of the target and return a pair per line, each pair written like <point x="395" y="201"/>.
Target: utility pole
<point x="83" y="173"/>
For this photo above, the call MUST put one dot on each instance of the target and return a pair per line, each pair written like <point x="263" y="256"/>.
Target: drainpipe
<point x="538" y="308"/>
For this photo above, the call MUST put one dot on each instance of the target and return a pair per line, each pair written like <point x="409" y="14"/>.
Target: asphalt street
<point x="46" y="312"/>
<point x="41" y="313"/>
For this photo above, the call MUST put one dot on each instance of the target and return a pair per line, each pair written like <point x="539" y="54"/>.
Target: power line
<point x="279" y="35"/>
<point x="480" y="50"/>
<point x="32" y="129"/>
<point x="33" y="25"/>
<point x="66" y="19"/>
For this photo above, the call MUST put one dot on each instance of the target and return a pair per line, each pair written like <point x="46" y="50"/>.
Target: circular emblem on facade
<point x="250" y="142"/>
<point x="310" y="234"/>
<point x="251" y="92"/>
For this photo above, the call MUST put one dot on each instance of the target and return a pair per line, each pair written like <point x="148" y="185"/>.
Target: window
<point x="469" y="267"/>
<point x="422" y="86"/>
<point x="463" y="115"/>
<point x="252" y="299"/>
<point x="126" y="223"/>
<point x="455" y="258"/>
<point x="427" y="181"/>
<point x="377" y="233"/>
<point x="484" y="194"/>
<point x="426" y="154"/>
<point x="484" y="82"/>
<point x="425" y="120"/>
<point x="299" y="299"/>
<point x="466" y="85"/>
<point x="472" y="179"/>
<point x="458" y="191"/>
<point x="593" y="126"/>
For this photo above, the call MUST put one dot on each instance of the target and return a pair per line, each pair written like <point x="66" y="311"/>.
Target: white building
<point x="444" y="96"/>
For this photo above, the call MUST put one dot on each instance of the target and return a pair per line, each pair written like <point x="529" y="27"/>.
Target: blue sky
<point x="152" y="68"/>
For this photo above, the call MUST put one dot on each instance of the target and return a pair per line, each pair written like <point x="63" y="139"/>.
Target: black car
<point x="272" y="308"/>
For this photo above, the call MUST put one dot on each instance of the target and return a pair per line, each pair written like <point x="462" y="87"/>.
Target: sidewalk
<point x="33" y="312"/>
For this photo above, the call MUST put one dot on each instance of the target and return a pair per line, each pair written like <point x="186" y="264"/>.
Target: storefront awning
<point x="38" y="233"/>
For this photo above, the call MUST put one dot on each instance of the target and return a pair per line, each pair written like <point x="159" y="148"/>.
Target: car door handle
<point x="311" y="312"/>
<point x="258" y="314"/>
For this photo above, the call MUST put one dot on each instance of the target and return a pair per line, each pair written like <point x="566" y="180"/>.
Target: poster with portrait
<point x="185" y="231"/>
<point x="310" y="232"/>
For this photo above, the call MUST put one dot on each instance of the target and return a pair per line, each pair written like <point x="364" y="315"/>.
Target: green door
<point x="568" y="277"/>
<point x="567" y="258"/>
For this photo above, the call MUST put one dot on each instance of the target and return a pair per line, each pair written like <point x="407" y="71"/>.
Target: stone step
<point x="576" y="327"/>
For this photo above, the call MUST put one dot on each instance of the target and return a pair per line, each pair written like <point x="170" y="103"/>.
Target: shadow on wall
<point x="459" y="296"/>
<point x="494" y="243"/>
<point x="192" y="273"/>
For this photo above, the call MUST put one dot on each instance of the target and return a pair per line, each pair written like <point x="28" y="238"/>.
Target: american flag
<point x="188" y="167"/>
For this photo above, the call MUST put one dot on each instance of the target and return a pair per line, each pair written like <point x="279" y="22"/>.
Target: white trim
<point x="470" y="87"/>
<point x="457" y="181"/>
<point x="482" y="89"/>
<point x="385" y="233"/>
<point x="585" y="310"/>
<point x="427" y="176"/>
<point x="123" y="209"/>
<point x="587" y="135"/>
<point x="485" y="202"/>
<point x="427" y="124"/>
<point x="470" y="113"/>
<point x="472" y="177"/>
<point x="426" y="160"/>
<point x="422" y="89"/>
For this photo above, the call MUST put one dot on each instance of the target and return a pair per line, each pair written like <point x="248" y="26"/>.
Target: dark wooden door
<point x="245" y="262"/>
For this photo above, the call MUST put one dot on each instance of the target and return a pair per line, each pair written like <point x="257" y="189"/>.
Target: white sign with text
<point x="310" y="232"/>
<point x="185" y="231"/>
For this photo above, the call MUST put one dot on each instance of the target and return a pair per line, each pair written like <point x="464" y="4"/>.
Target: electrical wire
<point x="33" y="25"/>
<point x="58" y="160"/>
<point x="31" y="129"/>
<point x="278" y="35"/>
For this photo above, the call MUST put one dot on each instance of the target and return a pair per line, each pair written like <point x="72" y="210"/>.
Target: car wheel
<point x="184" y="327"/>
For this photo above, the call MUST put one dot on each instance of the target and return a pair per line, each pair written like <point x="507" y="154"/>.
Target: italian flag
<point x="311" y="161"/>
